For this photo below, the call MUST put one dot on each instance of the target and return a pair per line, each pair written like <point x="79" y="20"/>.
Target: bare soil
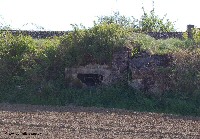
<point x="34" y="121"/>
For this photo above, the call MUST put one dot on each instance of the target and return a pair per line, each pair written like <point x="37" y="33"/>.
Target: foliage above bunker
<point x="94" y="45"/>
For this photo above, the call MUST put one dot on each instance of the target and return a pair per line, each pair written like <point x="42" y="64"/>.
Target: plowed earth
<point x="33" y="121"/>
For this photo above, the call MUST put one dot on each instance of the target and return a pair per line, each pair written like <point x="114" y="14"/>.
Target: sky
<point x="58" y="15"/>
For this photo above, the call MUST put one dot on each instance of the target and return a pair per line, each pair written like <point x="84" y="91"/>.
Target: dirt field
<point x="31" y="121"/>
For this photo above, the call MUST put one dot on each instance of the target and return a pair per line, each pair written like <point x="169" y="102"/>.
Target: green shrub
<point x="153" y="46"/>
<point x="97" y="44"/>
<point x="195" y="40"/>
<point x="186" y="73"/>
<point x="196" y="35"/>
<point x="150" y="22"/>
<point x="49" y="59"/>
<point x="16" y="55"/>
<point x="121" y="20"/>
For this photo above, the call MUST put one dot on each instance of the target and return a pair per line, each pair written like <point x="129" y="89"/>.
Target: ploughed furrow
<point x="34" y="121"/>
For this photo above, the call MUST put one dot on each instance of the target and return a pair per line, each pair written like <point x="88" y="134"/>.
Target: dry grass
<point x="186" y="76"/>
<point x="32" y="121"/>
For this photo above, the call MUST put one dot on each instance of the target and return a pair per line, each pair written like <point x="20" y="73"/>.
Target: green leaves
<point x="96" y="44"/>
<point x="16" y="55"/>
<point x="121" y="20"/>
<point x="195" y="40"/>
<point x="149" y="22"/>
<point x="152" y="23"/>
<point x="196" y="35"/>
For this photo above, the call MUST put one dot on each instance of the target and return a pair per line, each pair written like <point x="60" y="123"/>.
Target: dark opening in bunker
<point x="90" y="79"/>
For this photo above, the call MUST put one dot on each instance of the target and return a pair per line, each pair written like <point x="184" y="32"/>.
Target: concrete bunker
<point x="89" y="75"/>
<point x="90" y="79"/>
<point x="147" y="71"/>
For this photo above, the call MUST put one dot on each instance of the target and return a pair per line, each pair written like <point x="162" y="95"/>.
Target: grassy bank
<point x="116" y="96"/>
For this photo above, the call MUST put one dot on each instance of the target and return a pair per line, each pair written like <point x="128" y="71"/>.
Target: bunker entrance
<point x="90" y="79"/>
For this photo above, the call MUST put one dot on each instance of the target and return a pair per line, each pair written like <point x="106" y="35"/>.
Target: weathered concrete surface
<point x="111" y="74"/>
<point x="147" y="72"/>
<point x="72" y="73"/>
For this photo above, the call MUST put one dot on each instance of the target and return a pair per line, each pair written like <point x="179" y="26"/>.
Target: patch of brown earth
<point x="34" y="121"/>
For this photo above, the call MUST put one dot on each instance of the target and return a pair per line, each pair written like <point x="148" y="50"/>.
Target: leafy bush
<point x="186" y="73"/>
<point x="195" y="40"/>
<point x="196" y="36"/>
<point x="49" y="60"/>
<point x="152" y="23"/>
<point x="16" y="55"/>
<point x="154" y="46"/>
<point x="116" y="18"/>
<point x="97" y="44"/>
<point x="149" y="22"/>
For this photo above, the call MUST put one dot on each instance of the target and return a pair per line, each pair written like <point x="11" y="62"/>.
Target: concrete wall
<point x="45" y="34"/>
<point x="166" y="35"/>
<point x="147" y="71"/>
<point x="156" y="35"/>
<point x="38" y="34"/>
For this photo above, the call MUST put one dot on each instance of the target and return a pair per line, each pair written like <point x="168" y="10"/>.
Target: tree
<point x="149" y="22"/>
<point x="121" y="20"/>
<point x="152" y="23"/>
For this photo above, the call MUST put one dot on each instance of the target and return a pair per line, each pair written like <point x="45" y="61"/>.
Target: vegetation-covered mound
<point x="32" y="71"/>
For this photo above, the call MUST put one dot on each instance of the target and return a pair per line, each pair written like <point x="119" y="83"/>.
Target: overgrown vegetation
<point x="150" y="22"/>
<point x="32" y="71"/>
<point x="96" y="44"/>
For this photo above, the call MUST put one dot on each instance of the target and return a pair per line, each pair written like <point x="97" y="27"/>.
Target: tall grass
<point x="116" y="96"/>
<point x="160" y="46"/>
